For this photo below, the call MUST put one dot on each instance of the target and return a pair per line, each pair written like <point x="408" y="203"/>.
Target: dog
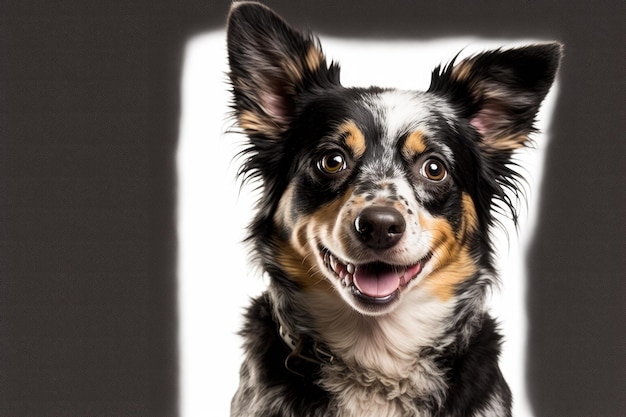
<point x="373" y="225"/>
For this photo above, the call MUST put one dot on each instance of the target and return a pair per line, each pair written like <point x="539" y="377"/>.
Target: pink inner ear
<point x="275" y="107"/>
<point x="479" y="124"/>
<point x="486" y="121"/>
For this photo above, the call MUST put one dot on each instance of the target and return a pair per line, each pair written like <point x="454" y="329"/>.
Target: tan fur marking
<point x="293" y="70"/>
<point x="470" y="218"/>
<point x="297" y="257"/>
<point x="314" y="59"/>
<point x="354" y="138"/>
<point x="453" y="261"/>
<point x="252" y="123"/>
<point x="444" y="281"/>
<point x="300" y="237"/>
<point x="414" y="145"/>
<point x="282" y="217"/>
<point x="296" y="69"/>
<point x="506" y="143"/>
<point x="303" y="271"/>
<point x="462" y="71"/>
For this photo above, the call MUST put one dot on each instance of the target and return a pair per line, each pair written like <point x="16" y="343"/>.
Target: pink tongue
<point x="376" y="281"/>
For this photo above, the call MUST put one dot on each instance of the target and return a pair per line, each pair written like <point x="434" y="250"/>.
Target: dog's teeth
<point x="350" y="268"/>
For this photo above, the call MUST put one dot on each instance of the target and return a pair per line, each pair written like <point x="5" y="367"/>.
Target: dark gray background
<point x="89" y="107"/>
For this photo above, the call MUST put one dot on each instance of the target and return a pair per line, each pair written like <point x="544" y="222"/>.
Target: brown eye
<point x="434" y="170"/>
<point x="332" y="163"/>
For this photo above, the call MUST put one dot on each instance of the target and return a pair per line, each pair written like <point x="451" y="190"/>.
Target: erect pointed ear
<point x="500" y="92"/>
<point x="270" y="65"/>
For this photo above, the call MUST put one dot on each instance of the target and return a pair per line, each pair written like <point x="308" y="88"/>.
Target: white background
<point x="215" y="277"/>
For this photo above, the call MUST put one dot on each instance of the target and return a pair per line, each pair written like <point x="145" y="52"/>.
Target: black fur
<point x="295" y="392"/>
<point x="289" y="102"/>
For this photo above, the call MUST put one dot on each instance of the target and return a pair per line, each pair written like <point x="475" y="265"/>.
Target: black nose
<point x="379" y="227"/>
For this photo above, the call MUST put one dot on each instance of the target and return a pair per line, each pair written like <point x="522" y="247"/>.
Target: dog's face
<point x="370" y="193"/>
<point x="374" y="203"/>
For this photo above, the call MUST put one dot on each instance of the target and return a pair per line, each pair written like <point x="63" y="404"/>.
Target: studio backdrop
<point x="122" y="275"/>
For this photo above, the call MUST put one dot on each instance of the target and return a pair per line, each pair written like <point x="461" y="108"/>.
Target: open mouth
<point x="375" y="282"/>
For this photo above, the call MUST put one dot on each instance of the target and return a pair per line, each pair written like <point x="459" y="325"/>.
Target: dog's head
<point x="370" y="193"/>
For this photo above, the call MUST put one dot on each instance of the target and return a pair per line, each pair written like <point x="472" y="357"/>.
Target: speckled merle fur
<point x="373" y="225"/>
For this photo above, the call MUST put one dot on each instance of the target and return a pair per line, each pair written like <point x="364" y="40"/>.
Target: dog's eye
<point x="332" y="163"/>
<point x="434" y="170"/>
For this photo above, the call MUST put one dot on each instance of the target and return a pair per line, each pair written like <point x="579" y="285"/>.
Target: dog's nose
<point x="379" y="227"/>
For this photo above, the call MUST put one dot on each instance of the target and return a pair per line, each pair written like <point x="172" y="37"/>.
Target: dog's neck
<point x="389" y="345"/>
<point x="305" y="355"/>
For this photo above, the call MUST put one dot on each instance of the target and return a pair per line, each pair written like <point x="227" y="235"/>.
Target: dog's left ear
<point x="500" y="92"/>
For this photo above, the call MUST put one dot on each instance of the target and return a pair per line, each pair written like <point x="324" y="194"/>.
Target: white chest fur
<point x="382" y="368"/>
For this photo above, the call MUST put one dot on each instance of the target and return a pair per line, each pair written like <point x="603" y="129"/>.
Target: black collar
<point x="305" y="355"/>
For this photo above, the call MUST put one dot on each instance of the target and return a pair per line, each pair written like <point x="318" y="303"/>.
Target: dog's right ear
<point x="270" y="65"/>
